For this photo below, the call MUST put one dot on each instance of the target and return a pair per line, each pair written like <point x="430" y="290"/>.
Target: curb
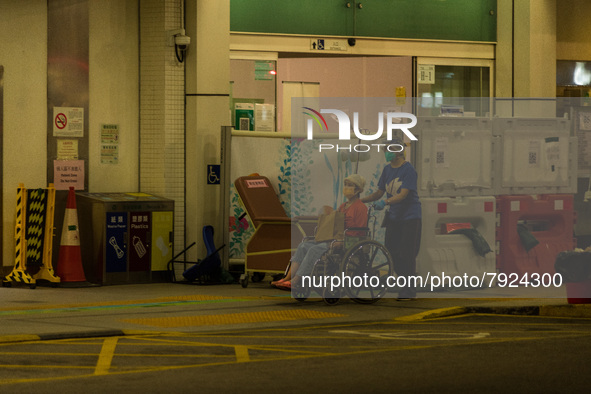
<point x="18" y="338"/>
<point x="580" y="311"/>
<point x="64" y="335"/>
<point x="574" y="310"/>
<point x="505" y="310"/>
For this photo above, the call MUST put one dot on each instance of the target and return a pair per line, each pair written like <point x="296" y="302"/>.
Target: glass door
<point x="453" y="87"/>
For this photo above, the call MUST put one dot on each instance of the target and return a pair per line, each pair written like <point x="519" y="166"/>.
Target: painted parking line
<point x="433" y="314"/>
<point x="106" y="356"/>
<point x="83" y="358"/>
<point x="233" y="318"/>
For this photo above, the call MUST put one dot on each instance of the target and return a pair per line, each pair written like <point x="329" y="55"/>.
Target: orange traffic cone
<point x="69" y="265"/>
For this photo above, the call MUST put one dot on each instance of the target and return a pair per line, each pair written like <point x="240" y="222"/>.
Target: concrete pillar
<point x="526" y="57"/>
<point x="504" y="49"/>
<point x="162" y="100"/>
<point x="526" y="48"/>
<point x="207" y="110"/>
<point x="535" y="48"/>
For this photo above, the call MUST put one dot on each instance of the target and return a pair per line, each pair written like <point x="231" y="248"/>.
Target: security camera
<point x="182" y="41"/>
<point x="177" y="37"/>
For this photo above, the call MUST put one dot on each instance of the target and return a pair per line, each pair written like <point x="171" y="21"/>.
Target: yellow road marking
<point x="241" y="353"/>
<point x="273" y="359"/>
<point x="292" y="357"/>
<point x="168" y="342"/>
<point x="435" y="313"/>
<point x="106" y="357"/>
<point x="347" y="351"/>
<point x="233" y="318"/>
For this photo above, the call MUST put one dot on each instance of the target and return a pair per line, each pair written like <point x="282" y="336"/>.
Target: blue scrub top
<point x="392" y="181"/>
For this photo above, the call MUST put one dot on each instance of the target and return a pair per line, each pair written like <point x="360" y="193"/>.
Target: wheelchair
<point x="361" y="265"/>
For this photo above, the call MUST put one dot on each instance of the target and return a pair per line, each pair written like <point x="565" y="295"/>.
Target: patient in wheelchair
<point x="308" y="252"/>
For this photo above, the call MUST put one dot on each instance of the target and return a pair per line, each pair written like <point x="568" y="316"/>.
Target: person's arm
<point x="380" y="189"/>
<point x="398" y="197"/>
<point x="373" y="196"/>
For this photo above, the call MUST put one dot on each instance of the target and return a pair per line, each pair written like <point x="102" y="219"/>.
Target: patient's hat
<point x="357" y="180"/>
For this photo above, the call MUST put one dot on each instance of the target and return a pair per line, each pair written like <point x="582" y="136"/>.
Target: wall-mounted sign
<point x="213" y="174"/>
<point x="109" y="144"/>
<point x="68" y="173"/>
<point x="264" y="70"/>
<point x="109" y="134"/>
<point x="329" y="45"/>
<point x="425" y="74"/>
<point x="68" y="122"/>
<point x="67" y="149"/>
<point x="110" y="154"/>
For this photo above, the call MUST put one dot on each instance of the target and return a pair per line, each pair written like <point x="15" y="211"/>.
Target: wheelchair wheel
<point x="368" y="265"/>
<point x="331" y="297"/>
<point x="300" y="293"/>
<point x="244" y="280"/>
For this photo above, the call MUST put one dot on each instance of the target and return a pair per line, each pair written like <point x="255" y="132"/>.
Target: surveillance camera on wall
<point x="182" y="41"/>
<point x="177" y="37"/>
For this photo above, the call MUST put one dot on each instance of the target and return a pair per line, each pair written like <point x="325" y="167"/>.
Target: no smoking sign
<point x="61" y="121"/>
<point x="68" y="122"/>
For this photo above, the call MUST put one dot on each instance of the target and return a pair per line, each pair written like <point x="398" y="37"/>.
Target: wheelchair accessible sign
<point x="328" y="45"/>
<point x="213" y="174"/>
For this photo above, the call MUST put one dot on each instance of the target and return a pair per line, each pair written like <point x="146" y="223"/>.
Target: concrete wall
<point x="23" y="53"/>
<point x="114" y="91"/>
<point x="113" y="99"/>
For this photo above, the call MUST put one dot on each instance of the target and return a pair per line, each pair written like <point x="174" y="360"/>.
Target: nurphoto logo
<point x="392" y="119"/>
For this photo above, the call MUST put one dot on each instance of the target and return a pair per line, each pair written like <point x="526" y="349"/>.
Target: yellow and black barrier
<point x="35" y="210"/>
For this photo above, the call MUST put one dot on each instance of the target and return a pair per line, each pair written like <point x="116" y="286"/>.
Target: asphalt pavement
<point x="87" y="311"/>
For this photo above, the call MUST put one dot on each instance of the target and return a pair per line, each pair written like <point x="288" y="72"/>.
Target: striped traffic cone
<point x="69" y="265"/>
